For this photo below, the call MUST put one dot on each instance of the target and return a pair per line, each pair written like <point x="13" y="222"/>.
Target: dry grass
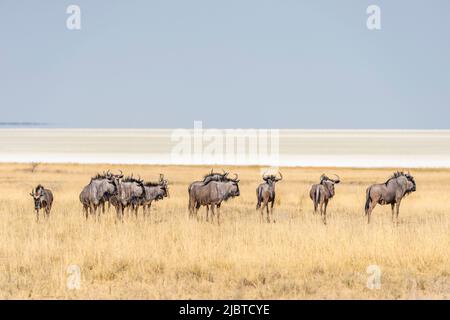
<point x="168" y="257"/>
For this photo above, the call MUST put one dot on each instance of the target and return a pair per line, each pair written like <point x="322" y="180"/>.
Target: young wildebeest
<point x="43" y="199"/>
<point x="321" y="193"/>
<point x="99" y="190"/>
<point x="213" y="194"/>
<point x="130" y="192"/>
<point x="154" y="191"/>
<point x="265" y="193"/>
<point x="212" y="176"/>
<point x="391" y="192"/>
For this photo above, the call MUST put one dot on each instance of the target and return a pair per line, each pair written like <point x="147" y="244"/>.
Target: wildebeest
<point x="43" y="199"/>
<point x="265" y="194"/>
<point x="154" y="191"/>
<point x="212" y="194"/>
<point x="212" y="176"/>
<point x="391" y="192"/>
<point x="99" y="190"/>
<point x="321" y="193"/>
<point x="130" y="192"/>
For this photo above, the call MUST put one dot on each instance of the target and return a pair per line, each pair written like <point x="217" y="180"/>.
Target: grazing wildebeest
<point x="154" y="191"/>
<point x="99" y="190"/>
<point x="213" y="194"/>
<point x="43" y="199"/>
<point x="130" y="192"/>
<point x="321" y="193"/>
<point x="212" y="176"/>
<point x="265" y="194"/>
<point x="391" y="192"/>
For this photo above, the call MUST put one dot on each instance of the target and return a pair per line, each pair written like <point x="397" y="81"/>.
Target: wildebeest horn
<point x="32" y="193"/>
<point x="338" y="179"/>
<point x="235" y="177"/>
<point x="281" y="176"/>
<point x="161" y="177"/>
<point x="224" y="173"/>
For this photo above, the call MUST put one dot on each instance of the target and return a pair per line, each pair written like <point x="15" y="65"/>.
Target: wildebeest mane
<point x="151" y="184"/>
<point x="398" y="174"/>
<point x="132" y="179"/>
<point x="100" y="176"/>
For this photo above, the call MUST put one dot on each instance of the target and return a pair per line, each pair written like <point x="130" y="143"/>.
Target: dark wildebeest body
<point x="130" y="192"/>
<point x="391" y="192"/>
<point x="212" y="194"/>
<point x="265" y="194"/>
<point x="321" y="193"/>
<point x="97" y="192"/>
<point x="212" y="176"/>
<point x="43" y="199"/>
<point x="154" y="191"/>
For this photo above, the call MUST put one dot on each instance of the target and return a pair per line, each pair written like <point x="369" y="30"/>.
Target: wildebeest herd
<point x="130" y="193"/>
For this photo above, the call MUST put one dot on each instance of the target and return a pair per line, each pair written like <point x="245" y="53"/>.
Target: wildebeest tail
<point x="316" y="198"/>
<point x="189" y="193"/>
<point x="368" y="200"/>
<point x="259" y="196"/>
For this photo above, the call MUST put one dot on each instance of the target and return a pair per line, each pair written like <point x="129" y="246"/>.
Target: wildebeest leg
<point x="207" y="213"/>
<point x="135" y="208"/>
<point x="145" y="209"/>
<point x="213" y="214"/>
<point x="197" y="206"/>
<point x="397" y="209"/>
<point x="271" y="210"/>
<point x="191" y="210"/>
<point x="117" y="206"/>
<point x="369" y="210"/>
<point x="47" y="211"/>
<point x="321" y="209"/>
<point x="266" y="204"/>
<point x="261" y="218"/>
<point x="121" y="212"/>
<point x="85" y="211"/>
<point x="37" y="215"/>
<point x="393" y="212"/>
<point x="218" y="214"/>
<point x="325" y="212"/>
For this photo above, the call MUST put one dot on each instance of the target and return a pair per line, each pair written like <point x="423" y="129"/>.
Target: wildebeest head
<point x="215" y="176"/>
<point x="270" y="179"/>
<point x="233" y="185"/>
<point x="164" y="185"/>
<point x="114" y="178"/>
<point x="37" y="195"/>
<point x="410" y="184"/>
<point x="329" y="183"/>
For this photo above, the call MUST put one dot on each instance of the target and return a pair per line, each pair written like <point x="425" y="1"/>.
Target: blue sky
<point x="248" y="64"/>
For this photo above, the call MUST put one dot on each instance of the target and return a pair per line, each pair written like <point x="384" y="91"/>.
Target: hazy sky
<point x="233" y="63"/>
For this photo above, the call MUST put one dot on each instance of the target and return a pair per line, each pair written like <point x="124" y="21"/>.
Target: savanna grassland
<point x="167" y="256"/>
